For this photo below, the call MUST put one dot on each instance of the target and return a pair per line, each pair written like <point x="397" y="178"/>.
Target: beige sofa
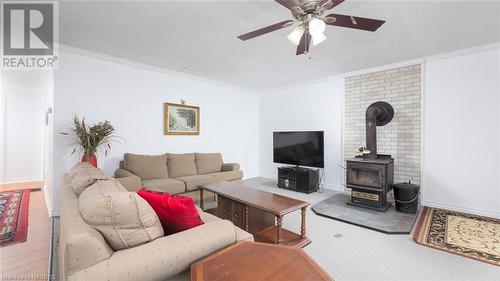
<point x="84" y="253"/>
<point x="177" y="173"/>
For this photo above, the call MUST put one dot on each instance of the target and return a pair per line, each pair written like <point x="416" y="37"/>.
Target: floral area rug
<point x="471" y="236"/>
<point x="14" y="207"/>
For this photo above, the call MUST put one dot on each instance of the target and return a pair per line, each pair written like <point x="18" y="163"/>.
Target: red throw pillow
<point x="176" y="213"/>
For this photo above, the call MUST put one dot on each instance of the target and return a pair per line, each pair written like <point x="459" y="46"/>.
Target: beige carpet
<point x="467" y="235"/>
<point x="338" y="247"/>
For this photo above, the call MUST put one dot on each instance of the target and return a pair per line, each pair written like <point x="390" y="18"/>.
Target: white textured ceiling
<point x="199" y="37"/>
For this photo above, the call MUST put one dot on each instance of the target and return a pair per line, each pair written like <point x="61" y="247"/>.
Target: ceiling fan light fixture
<point x="316" y="26"/>
<point x="296" y="34"/>
<point x="310" y="23"/>
<point x="318" y="38"/>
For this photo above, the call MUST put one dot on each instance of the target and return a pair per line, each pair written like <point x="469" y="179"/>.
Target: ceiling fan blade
<point x="334" y="3"/>
<point x="289" y="4"/>
<point x="353" y="22"/>
<point x="286" y="3"/>
<point x="305" y="42"/>
<point x="265" y="30"/>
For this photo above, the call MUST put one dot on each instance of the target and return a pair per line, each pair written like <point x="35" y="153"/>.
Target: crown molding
<point x="383" y="67"/>
<point x="422" y="60"/>
<point x="463" y="52"/>
<point x="302" y="84"/>
<point x="148" y="67"/>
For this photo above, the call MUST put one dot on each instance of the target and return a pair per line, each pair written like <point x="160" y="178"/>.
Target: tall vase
<point x="91" y="158"/>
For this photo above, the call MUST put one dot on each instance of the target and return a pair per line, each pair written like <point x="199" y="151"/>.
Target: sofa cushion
<point x="146" y="166"/>
<point x="86" y="176"/>
<point x="206" y="217"/>
<point x="192" y="182"/>
<point x="207" y="163"/>
<point x="83" y="245"/>
<point x="181" y="165"/>
<point x="165" y="185"/>
<point x="226" y="167"/>
<point x="77" y="168"/>
<point x="228" y="176"/>
<point x="124" y="218"/>
<point x="176" y="213"/>
<point x="108" y="185"/>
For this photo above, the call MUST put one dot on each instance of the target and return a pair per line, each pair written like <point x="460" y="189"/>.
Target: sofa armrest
<point x="130" y="183"/>
<point x="163" y="257"/>
<point x="122" y="173"/>
<point x="226" y="167"/>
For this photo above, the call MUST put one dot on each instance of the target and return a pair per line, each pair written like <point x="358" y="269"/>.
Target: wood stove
<point x="370" y="177"/>
<point x="370" y="180"/>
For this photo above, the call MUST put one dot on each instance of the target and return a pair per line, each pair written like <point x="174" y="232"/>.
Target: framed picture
<point x="180" y="119"/>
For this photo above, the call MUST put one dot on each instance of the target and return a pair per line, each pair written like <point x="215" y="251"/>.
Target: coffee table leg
<point x="246" y="217"/>
<point x="279" y="229"/>
<point x="202" y="203"/>
<point x="303" y="222"/>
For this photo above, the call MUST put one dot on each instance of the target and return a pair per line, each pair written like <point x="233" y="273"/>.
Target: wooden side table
<point x="259" y="212"/>
<point x="252" y="261"/>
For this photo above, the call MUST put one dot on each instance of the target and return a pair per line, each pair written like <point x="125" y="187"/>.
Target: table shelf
<point x="289" y="238"/>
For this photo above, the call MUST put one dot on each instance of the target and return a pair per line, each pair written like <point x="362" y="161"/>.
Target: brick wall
<point x="401" y="138"/>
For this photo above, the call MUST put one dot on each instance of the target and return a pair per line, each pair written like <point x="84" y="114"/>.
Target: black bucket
<point x="406" y="197"/>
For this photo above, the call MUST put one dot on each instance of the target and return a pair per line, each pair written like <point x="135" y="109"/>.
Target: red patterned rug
<point x="14" y="207"/>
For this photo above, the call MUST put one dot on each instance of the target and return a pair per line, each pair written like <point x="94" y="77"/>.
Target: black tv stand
<point x="298" y="179"/>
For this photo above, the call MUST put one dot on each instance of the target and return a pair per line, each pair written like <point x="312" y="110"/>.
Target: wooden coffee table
<point x="252" y="261"/>
<point x="258" y="212"/>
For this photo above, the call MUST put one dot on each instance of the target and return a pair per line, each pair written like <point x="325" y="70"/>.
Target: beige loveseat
<point x="177" y="173"/>
<point x="84" y="253"/>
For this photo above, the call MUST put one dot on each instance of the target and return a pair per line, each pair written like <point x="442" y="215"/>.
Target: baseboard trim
<point x="53" y="242"/>
<point x="469" y="210"/>
<point x="332" y="187"/>
<point x="54" y="213"/>
<point x="46" y="197"/>
<point x="21" y="180"/>
<point x="267" y="176"/>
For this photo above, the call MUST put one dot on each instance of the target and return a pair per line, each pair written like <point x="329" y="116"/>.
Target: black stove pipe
<point x="377" y="114"/>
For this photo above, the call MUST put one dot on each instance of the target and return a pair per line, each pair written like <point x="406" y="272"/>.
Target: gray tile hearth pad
<point x="390" y="222"/>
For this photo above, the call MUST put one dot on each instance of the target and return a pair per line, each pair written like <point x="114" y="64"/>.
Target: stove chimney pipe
<point x="377" y="114"/>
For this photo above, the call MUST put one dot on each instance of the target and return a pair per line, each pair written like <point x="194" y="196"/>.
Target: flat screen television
<point x="304" y="148"/>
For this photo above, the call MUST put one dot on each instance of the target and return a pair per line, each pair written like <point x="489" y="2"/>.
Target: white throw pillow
<point x="124" y="218"/>
<point x="77" y="168"/>
<point x="86" y="176"/>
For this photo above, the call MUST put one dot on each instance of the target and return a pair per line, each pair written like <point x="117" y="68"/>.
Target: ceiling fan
<point x="311" y="23"/>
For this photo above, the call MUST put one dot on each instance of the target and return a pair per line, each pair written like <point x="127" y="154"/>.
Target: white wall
<point x="461" y="168"/>
<point x="131" y="97"/>
<point x="315" y="106"/>
<point x="461" y="129"/>
<point x="461" y="126"/>
<point x="48" y="159"/>
<point x="22" y="124"/>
